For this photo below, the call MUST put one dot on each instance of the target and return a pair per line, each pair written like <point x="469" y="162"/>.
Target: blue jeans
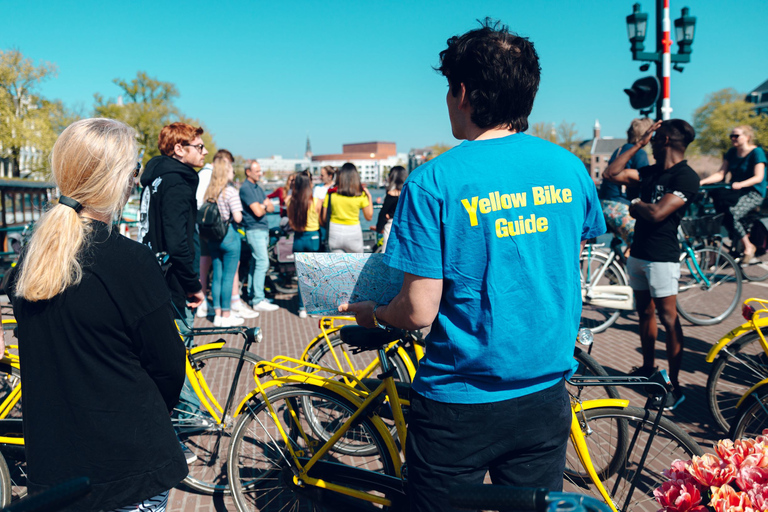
<point x="188" y="404"/>
<point x="307" y="241"/>
<point x="224" y="255"/>
<point x="257" y="240"/>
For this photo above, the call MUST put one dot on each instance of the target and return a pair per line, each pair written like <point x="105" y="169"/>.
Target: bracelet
<point x="376" y="322"/>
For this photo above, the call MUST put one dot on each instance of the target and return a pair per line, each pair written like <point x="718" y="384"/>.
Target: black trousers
<point x="520" y="442"/>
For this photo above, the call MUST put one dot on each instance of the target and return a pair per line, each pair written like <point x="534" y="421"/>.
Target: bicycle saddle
<point x="368" y="339"/>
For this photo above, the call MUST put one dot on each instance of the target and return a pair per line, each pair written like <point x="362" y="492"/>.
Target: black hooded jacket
<point x="167" y="221"/>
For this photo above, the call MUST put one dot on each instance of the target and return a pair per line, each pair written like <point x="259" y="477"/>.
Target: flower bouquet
<point x="733" y="480"/>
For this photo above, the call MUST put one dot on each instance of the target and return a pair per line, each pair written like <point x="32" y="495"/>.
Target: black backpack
<point x="209" y="222"/>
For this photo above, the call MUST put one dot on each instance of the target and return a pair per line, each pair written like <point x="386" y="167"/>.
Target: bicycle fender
<point x="406" y="359"/>
<point x="735" y="333"/>
<point x="216" y="345"/>
<point x="601" y="402"/>
<point x="750" y="391"/>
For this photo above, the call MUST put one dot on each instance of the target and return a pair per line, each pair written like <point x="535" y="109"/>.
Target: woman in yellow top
<point x="304" y="217"/>
<point x="350" y="196"/>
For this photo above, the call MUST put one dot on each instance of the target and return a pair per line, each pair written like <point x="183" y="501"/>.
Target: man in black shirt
<point x="654" y="266"/>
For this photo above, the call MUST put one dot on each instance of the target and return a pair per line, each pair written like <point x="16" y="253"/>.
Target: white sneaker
<point x="302" y="313"/>
<point x="202" y="310"/>
<point x="228" y="321"/>
<point x="245" y="312"/>
<point x="265" y="305"/>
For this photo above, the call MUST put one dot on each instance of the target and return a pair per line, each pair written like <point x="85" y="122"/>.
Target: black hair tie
<point x="68" y="201"/>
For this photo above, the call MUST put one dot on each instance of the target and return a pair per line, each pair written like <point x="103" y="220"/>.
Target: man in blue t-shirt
<point x="256" y="205"/>
<point x="488" y="235"/>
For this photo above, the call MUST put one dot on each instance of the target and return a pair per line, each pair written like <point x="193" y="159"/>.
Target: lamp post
<point x="685" y="25"/>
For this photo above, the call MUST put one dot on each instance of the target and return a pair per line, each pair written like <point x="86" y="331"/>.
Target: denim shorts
<point x="658" y="277"/>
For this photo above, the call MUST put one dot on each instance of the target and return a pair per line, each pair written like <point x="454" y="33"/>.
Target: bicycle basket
<point x="706" y="225"/>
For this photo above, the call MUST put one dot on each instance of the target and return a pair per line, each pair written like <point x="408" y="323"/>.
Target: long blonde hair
<point x="219" y="178"/>
<point x="92" y="162"/>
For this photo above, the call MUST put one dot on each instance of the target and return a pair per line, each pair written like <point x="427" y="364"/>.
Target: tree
<point x="721" y="111"/>
<point x="26" y="119"/>
<point x="438" y="149"/>
<point x="544" y="131"/>
<point x="566" y="134"/>
<point x="147" y="106"/>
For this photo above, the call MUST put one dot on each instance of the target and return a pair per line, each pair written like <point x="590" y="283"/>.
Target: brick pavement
<point x="617" y="349"/>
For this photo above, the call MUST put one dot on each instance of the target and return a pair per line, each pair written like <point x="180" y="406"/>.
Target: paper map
<point x="327" y="280"/>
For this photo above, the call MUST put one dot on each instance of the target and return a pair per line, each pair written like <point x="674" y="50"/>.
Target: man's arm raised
<point x="415" y="307"/>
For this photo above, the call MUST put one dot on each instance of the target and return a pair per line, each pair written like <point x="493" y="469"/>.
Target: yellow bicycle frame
<point x="361" y="396"/>
<point x="754" y="324"/>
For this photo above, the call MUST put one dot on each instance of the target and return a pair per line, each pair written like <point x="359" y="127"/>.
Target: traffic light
<point x="644" y="92"/>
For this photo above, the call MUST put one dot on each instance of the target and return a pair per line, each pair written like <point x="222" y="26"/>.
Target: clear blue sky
<point x="263" y="75"/>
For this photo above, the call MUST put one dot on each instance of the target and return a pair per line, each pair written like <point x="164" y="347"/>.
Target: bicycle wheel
<point x="751" y="418"/>
<point x="738" y="366"/>
<point x="757" y="269"/>
<point x="589" y="367"/>
<point x="322" y="354"/>
<point x="710" y="296"/>
<point x="599" y="318"/>
<point x="205" y="438"/>
<point x="262" y="468"/>
<point x="5" y="483"/>
<point x="616" y="439"/>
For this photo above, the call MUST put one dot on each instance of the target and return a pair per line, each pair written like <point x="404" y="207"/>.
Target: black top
<point x="102" y="364"/>
<point x="388" y="208"/>
<point x="167" y="221"/>
<point x="657" y="241"/>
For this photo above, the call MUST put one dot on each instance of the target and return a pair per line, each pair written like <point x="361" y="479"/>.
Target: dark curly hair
<point x="680" y="133"/>
<point x="500" y="72"/>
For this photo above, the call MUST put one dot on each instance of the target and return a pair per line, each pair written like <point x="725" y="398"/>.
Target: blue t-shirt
<point x="500" y="222"/>
<point x="743" y="168"/>
<point x="612" y="191"/>
<point x="252" y="193"/>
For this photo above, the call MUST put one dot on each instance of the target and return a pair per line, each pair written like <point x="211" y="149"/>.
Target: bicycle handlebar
<point x="504" y="497"/>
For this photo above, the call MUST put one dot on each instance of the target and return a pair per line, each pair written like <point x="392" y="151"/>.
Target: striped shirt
<point x="229" y="201"/>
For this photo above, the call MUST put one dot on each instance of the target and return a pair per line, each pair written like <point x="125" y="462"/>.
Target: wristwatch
<point x="376" y="322"/>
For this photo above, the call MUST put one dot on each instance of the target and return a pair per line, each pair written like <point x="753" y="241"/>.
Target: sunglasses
<point x="735" y="135"/>
<point x="200" y="147"/>
<point x="137" y="170"/>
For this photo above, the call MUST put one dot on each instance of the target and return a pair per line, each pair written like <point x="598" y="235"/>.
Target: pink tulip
<point x="747" y="452"/>
<point x="679" y="496"/>
<point x="758" y="495"/>
<point x="678" y="470"/>
<point x="748" y="476"/>
<point x="726" y="499"/>
<point x="710" y="471"/>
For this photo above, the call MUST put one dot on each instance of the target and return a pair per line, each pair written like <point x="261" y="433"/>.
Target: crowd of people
<point x="102" y="355"/>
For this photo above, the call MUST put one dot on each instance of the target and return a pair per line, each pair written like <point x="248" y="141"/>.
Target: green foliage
<point x="544" y="131"/>
<point x="26" y="119"/>
<point x="147" y="107"/>
<point x="438" y="149"/>
<point x="722" y="111"/>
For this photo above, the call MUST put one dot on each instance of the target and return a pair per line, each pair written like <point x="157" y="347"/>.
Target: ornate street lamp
<point x="684" y="29"/>
<point x="636" y="25"/>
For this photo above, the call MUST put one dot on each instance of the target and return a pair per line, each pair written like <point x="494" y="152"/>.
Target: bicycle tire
<point x="599" y="318"/>
<point x="757" y="269"/>
<point x="5" y="483"/>
<point x="752" y="417"/>
<point x="708" y="305"/>
<point x="262" y="467"/>
<point x="606" y="443"/>
<point x="589" y="367"/>
<point x="738" y="366"/>
<point x="210" y="443"/>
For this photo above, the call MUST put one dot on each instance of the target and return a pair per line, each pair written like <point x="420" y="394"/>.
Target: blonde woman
<point x="225" y="253"/>
<point x="746" y="164"/>
<point x="103" y="361"/>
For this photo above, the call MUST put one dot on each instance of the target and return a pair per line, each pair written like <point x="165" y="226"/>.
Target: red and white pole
<point x="666" y="62"/>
